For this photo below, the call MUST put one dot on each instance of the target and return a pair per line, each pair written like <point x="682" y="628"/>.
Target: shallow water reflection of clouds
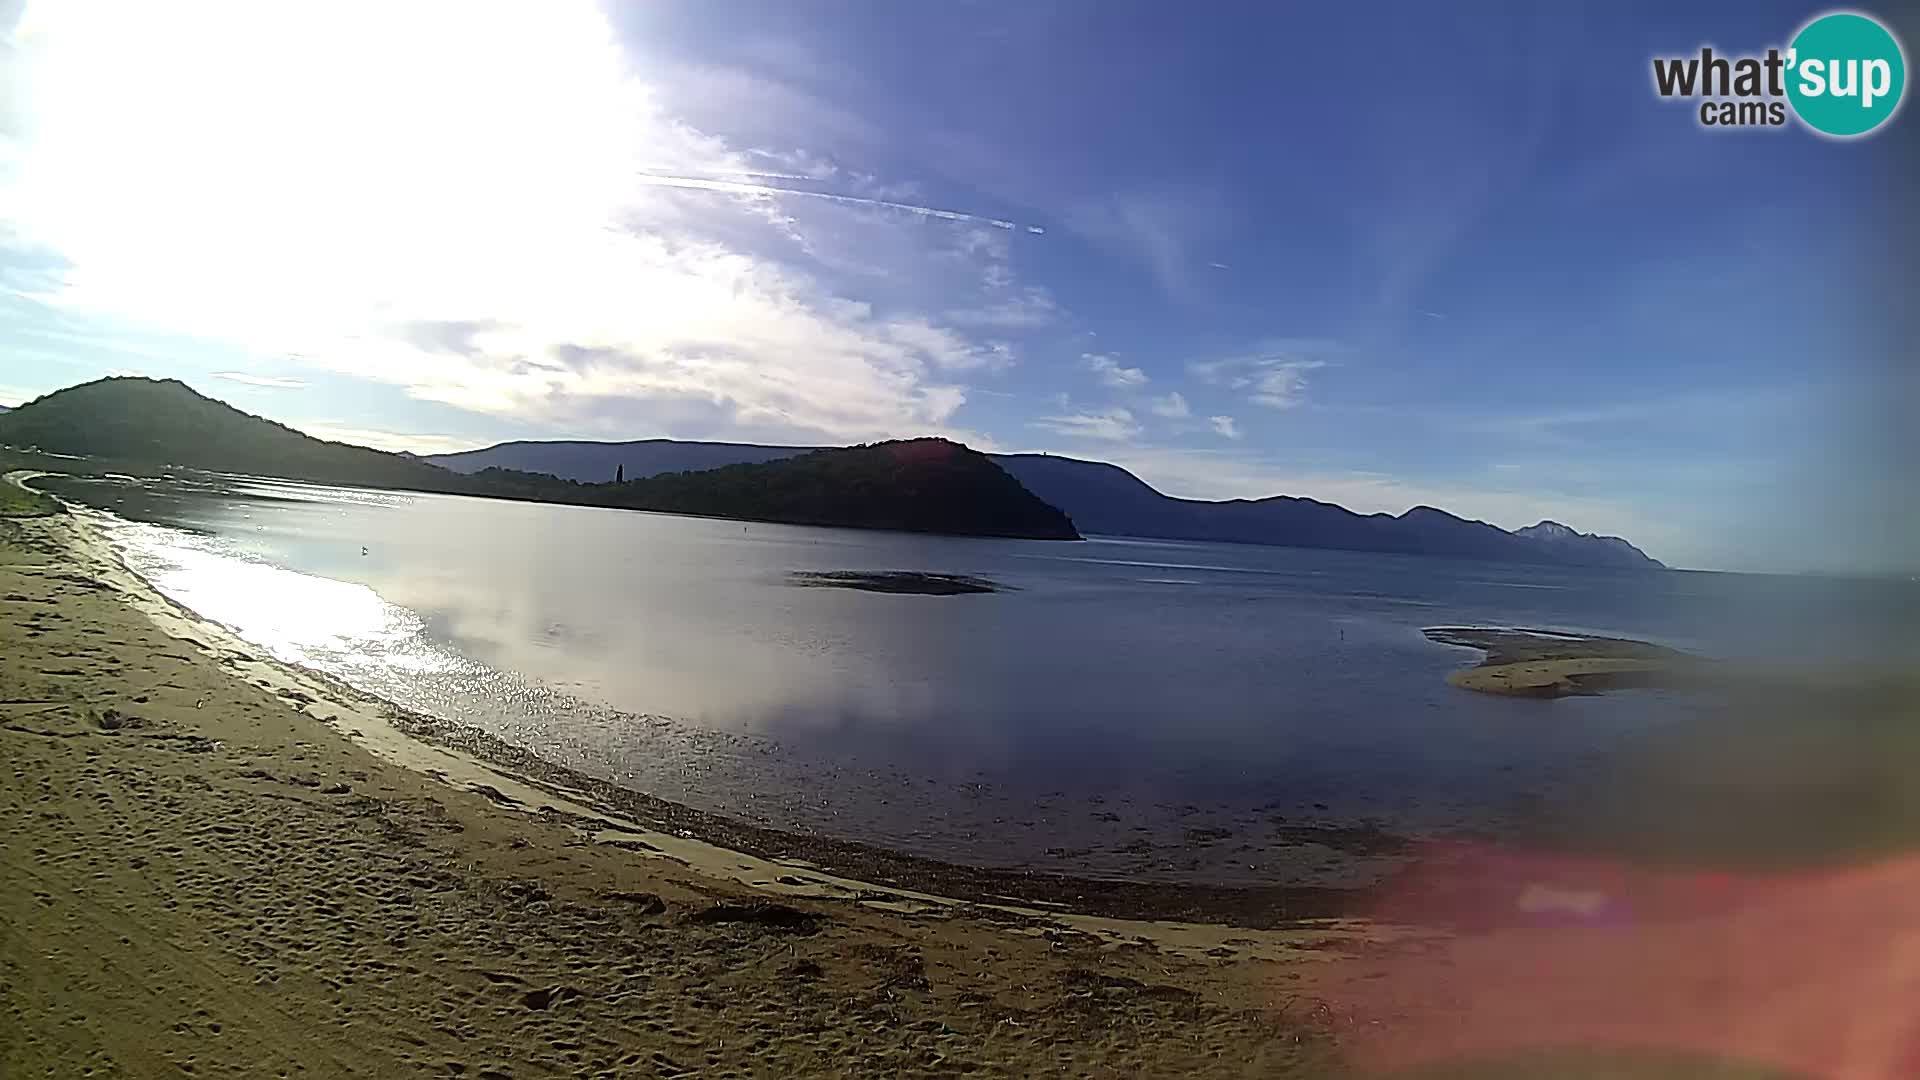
<point x="672" y="654"/>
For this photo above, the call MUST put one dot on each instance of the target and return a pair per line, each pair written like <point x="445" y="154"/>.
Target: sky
<point x="1382" y="255"/>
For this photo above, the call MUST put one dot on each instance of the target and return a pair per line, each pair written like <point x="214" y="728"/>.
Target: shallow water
<point x="1122" y="707"/>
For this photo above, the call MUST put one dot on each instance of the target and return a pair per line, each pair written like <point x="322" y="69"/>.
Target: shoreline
<point x="230" y="868"/>
<point x="1269" y="854"/>
<point x="1183" y="917"/>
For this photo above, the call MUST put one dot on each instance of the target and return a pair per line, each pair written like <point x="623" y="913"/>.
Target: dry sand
<point x="213" y="867"/>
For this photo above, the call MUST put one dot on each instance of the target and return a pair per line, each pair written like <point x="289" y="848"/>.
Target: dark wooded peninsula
<point x="916" y="485"/>
<point x="1105" y="499"/>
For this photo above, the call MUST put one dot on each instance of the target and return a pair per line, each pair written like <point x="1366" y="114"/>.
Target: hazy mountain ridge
<point x="587" y="461"/>
<point x="1107" y="499"/>
<point x="923" y="485"/>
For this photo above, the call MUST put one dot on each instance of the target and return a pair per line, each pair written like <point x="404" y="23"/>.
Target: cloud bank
<point x="554" y="247"/>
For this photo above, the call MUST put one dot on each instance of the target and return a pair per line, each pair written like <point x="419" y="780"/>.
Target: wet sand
<point x="216" y="865"/>
<point x="1528" y="663"/>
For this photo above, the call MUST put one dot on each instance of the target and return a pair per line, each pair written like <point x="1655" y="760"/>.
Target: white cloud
<point x="1031" y="308"/>
<point x="270" y="382"/>
<point x="1274" y="377"/>
<point x="1282" y="385"/>
<point x="1224" y="426"/>
<point x="399" y="442"/>
<point x="567" y="217"/>
<point x="946" y="348"/>
<point x="12" y="396"/>
<point x="1174" y="405"/>
<point x="1115" y="425"/>
<point x="1112" y="374"/>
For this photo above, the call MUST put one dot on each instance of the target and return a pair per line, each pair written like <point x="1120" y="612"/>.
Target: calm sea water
<point x="1121" y="695"/>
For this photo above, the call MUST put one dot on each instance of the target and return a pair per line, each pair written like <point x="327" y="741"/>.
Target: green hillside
<point x="921" y="485"/>
<point x="164" y="422"/>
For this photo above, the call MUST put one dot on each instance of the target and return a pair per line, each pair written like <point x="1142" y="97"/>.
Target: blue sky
<point x="1378" y="254"/>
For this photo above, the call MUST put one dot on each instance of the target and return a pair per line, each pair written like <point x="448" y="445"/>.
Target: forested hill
<point x="1105" y="499"/>
<point x="164" y="422"/>
<point x="921" y="485"/>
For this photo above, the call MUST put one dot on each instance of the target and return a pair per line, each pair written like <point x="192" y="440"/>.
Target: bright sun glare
<point x="312" y="164"/>
<point x="445" y="197"/>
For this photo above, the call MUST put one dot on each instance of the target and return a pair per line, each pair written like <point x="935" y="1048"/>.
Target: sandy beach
<point x="220" y="867"/>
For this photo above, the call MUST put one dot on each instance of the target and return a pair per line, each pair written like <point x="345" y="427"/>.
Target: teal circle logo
<point x="1846" y="74"/>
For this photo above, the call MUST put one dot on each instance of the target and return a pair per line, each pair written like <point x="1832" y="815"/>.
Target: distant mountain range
<point x="923" y="485"/>
<point x="597" y="462"/>
<point x="1106" y="499"/>
<point x="918" y="485"/>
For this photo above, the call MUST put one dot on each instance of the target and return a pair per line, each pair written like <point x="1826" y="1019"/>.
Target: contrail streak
<point x="739" y="187"/>
<point x="762" y="174"/>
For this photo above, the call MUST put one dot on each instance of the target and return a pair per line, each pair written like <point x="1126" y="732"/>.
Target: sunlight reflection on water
<point x="336" y="626"/>
<point x="1084" y="720"/>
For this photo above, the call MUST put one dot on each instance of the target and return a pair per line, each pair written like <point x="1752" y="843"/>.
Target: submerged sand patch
<point x="903" y="582"/>
<point x="1547" y="664"/>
